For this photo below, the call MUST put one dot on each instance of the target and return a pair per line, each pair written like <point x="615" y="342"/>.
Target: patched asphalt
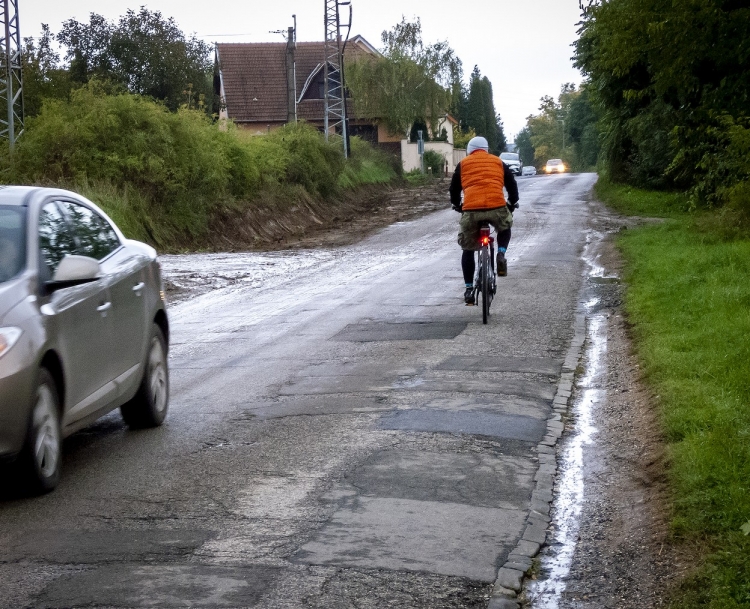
<point x="353" y="435"/>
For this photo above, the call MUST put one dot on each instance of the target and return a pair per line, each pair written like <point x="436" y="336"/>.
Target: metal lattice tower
<point x="11" y="80"/>
<point x="335" y="106"/>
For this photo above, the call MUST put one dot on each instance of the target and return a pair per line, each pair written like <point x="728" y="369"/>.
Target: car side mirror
<point x="74" y="270"/>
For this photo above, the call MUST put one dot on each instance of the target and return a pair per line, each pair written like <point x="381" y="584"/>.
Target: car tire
<point x="148" y="408"/>
<point x="41" y="457"/>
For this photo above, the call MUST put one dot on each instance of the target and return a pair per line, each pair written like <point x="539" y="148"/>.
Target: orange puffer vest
<point x="482" y="180"/>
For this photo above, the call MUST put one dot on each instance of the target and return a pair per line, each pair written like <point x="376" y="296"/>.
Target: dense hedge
<point x="164" y="173"/>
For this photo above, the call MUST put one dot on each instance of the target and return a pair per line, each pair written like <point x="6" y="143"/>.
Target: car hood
<point x="11" y="293"/>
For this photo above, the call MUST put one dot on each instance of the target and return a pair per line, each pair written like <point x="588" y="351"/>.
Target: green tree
<point x="144" y="52"/>
<point x="546" y="132"/>
<point x="480" y="112"/>
<point x="153" y="57"/>
<point x="43" y="77"/>
<point x="87" y="47"/>
<point x="524" y="146"/>
<point x="476" y="117"/>
<point x="410" y="82"/>
<point x="564" y="128"/>
<point x="672" y="84"/>
<point x="502" y="142"/>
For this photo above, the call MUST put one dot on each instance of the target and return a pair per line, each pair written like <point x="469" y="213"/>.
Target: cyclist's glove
<point x="456" y="207"/>
<point x="513" y="206"/>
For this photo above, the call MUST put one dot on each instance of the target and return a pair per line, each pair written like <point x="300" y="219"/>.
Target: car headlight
<point x="8" y="338"/>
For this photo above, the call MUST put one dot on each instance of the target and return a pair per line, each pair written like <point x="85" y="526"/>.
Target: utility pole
<point x="291" y="88"/>
<point x="11" y="81"/>
<point x="335" y="98"/>
<point x="294" y="68"/>
<point x="291" y="70"/>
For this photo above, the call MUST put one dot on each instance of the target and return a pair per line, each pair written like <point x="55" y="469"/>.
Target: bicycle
<point x="484" y="276"/>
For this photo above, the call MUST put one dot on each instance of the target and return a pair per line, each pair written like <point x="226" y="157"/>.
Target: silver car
<point x="83" y="327"/>
<point x="513" y="161"/>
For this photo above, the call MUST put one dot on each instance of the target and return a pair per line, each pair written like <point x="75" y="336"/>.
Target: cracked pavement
<point x="349" y="436"/>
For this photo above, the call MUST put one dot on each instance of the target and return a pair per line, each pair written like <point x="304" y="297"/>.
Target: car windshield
<point x="554" y="162"/>
<point x="509" y="156"/>
<point x="12" y="241"/>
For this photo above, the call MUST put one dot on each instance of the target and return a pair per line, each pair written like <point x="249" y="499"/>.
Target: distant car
<point x="555" y="166"/>
<point x="512" y="160"/>
<point x="83" y="327"/>
<point x="528" y="170"/>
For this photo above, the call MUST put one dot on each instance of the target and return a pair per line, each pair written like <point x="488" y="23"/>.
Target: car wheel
<point x="42" y="454"/>
<point x="149" y="406"/>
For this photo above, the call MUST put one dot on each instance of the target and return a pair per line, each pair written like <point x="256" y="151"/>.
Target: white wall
<point x="410" y="157"/>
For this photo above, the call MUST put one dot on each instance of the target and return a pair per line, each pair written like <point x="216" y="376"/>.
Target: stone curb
<point x="510" y="575"/>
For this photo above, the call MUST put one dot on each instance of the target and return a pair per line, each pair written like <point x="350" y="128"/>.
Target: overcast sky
<point x="522" y="46"/>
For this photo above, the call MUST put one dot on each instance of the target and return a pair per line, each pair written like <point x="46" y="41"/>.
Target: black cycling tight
<point x="468" y="262"/>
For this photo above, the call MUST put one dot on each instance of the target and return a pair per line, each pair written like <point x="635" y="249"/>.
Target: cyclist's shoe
<point x="502" y="265"/>
<point x="469" y="296"/>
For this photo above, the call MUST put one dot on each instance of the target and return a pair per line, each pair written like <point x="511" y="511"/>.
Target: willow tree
<point x="408" y="82"/>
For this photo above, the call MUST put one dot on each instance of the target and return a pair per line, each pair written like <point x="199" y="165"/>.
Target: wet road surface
<point x="343" y="431"/>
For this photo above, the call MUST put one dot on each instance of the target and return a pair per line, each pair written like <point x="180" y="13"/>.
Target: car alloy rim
<point x="47" y="441"/>
<point x="157" y="375"/>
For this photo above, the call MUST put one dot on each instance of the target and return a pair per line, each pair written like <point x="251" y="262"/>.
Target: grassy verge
<point x="688" y="297"/>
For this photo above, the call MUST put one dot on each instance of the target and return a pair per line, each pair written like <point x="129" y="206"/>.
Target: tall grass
<point x="688" y="298"/>
<point x="162" y="175"/>
<point x="367" y="165"/>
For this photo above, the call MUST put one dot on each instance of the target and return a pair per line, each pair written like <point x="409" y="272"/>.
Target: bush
<point x="434" y="162"/>
<point x="310" y="161"/>
<point x="162" y="175"/>
<point x="126" y="141"/>
<point x="366" y="165"/>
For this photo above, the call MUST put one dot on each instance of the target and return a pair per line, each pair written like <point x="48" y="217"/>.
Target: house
<point x="410" y="159"/>
<point x="260" y="93"/>
<point x="262" y="89"/>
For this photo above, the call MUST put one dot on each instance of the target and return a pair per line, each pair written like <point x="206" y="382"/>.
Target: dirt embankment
<point x="283" y="224"/>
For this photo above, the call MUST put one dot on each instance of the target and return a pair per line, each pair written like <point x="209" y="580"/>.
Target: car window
<point x="509" y="156"/>
<point x="95" y="235"/>
<point x="55" y="239"/>
<point x="12" y="241"/>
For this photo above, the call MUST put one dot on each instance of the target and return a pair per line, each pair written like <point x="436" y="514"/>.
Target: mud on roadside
<point x="277" y="226"/>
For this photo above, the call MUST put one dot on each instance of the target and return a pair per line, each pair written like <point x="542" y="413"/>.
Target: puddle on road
<point x="557" y="558"/>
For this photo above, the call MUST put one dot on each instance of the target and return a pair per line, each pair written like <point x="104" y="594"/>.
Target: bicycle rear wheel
<point x="484" y="260"/>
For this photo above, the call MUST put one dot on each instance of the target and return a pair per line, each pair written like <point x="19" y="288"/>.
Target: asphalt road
<point x="347" y="434"/>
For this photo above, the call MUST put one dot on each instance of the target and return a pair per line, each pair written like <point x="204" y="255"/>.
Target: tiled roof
<point x="254" y="78"/>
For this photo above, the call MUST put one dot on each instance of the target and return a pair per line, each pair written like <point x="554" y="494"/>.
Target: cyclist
<point x="481" y="176"/>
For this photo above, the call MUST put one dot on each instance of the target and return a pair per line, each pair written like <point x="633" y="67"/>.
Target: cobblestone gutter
<point x="511" y="575"/>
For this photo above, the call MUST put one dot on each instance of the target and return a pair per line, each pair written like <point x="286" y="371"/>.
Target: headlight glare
<point x="8" y="337"/>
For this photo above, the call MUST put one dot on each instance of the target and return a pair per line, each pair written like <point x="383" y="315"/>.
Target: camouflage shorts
<point x="468" y="236"/>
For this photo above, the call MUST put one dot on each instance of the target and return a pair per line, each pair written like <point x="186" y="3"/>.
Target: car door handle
<point x="104" y="307"/>
<point x="137" y="288"/>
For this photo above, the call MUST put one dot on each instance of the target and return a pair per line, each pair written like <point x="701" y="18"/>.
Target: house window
<point x="316" y="89"/>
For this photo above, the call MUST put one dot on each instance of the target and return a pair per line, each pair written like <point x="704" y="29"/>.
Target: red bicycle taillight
<point x="485" y="240"/>
<point x="484" y="235"/>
